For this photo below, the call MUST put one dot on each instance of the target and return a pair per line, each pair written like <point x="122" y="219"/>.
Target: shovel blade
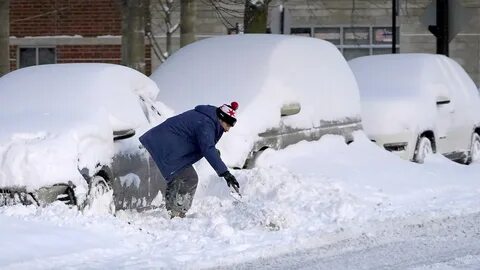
<point x="235" y="193"/>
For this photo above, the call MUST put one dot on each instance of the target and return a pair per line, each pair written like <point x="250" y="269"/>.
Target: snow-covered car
<point x="416" y="104"/>
<point x="289" y="89"/>
<point x="70" y="132"/>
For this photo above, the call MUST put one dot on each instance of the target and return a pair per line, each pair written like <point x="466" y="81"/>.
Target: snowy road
<point x="447" y="243"/>
<point x="318" y="205"/>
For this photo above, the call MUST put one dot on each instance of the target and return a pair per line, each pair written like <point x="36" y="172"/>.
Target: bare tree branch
<point x="165" y="9"/>
<point x="227" y="11"/>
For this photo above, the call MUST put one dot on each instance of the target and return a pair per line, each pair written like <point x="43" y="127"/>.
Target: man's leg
<point x="180" y="192"/>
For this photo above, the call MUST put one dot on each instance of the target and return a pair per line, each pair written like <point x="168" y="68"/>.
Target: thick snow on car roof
<point x="76" y="89"/>
<point x="400" y="91"/>
<point x="261" y="72"/>
<point x="398" y="75"/>
<point x="59" y="118"/>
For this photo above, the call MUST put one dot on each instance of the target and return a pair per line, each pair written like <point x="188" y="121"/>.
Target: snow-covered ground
<point x="308" y="195"/>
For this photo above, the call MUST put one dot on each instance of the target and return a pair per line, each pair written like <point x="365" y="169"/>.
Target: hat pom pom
<point x="234" y="105"/>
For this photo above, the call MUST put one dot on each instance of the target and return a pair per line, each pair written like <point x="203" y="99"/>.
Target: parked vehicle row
<point x="70" y="131"/>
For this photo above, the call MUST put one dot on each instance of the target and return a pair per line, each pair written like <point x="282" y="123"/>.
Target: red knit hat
<point x="227" y="113"/>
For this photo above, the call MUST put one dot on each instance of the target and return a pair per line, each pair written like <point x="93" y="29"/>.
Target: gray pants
<point x="180" y="192"/>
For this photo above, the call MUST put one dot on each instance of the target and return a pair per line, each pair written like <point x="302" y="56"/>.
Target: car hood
<point x="392" y="115"/>
<point x="33" y="155"/>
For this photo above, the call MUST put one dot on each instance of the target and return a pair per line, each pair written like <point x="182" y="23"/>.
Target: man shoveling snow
<point x="176" y="144"/>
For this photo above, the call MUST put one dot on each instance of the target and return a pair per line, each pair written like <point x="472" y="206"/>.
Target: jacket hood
<point x="208" y="110"/>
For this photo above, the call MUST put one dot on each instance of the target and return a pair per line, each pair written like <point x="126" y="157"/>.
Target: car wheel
<point x="424" y="148"/>
<point x="250" y="163"/>
<point x="68" y="197"/>
<point x="475" y="148"/>
<point x="100" y="196"/>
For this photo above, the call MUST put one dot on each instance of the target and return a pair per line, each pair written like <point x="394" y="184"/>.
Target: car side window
<point x="458" y="80"/>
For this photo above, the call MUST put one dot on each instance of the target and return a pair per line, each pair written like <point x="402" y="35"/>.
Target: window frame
<point x="37" y="54"/>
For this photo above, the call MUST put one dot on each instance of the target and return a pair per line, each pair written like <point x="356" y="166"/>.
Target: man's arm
<point x="206" y="141"/>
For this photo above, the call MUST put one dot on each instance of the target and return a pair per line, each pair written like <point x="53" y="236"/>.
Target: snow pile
<point x="379" y="176"/>
<point x="54" y="231"/>
<point x="397" y="88"/>
<point x="57" y="119"/>
<point x="262" y="73"/>
<point x="309" y="194"/>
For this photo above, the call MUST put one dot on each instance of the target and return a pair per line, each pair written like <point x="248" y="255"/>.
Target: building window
<point x="331" y="34"/>
<point x="355" y="41"/>
<point x="383" y="35"/>
<point x="31" y="56"/>
<point x="350" y="53"/>
<point x="301" y="31"/>
<point x="356" y="36"/>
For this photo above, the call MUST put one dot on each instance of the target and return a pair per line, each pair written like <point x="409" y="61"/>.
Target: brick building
<point x="65" y="31"/>
<point x="62" y="31"/>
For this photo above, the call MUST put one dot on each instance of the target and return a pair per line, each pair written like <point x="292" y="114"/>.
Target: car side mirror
<point x="123" y="134"/>
<point x="441" y="100"/>
<point x="290" y="109"/>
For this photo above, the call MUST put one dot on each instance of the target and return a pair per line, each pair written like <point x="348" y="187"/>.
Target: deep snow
<point x="307" y="195"/>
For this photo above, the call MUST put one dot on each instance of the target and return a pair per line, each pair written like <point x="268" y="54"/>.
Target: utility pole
<point x="440" y="30"/>
<point x="394" y="26"/>
<point x="282" y="19"/>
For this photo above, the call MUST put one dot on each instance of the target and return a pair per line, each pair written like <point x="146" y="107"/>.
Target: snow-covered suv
<point x="289" y="89"/>
<point x="415" y="104"/>
<point x="70" y="132"/>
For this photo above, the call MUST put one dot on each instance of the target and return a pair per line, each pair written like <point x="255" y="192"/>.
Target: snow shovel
<point x="235" y="193"/>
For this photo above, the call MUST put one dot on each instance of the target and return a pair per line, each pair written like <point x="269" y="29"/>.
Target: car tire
<point x="424" y="148"/>
<point x="250" y="163"/>
<point x="100" y="196"/>
<point x="68" y="197"/>
<point x="475" y="148"/>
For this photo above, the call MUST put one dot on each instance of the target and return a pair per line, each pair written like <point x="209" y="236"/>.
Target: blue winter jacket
<point x="184" y="139"/>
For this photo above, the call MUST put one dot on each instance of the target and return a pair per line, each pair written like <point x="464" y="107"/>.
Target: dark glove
<point x="231" y="181"/>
